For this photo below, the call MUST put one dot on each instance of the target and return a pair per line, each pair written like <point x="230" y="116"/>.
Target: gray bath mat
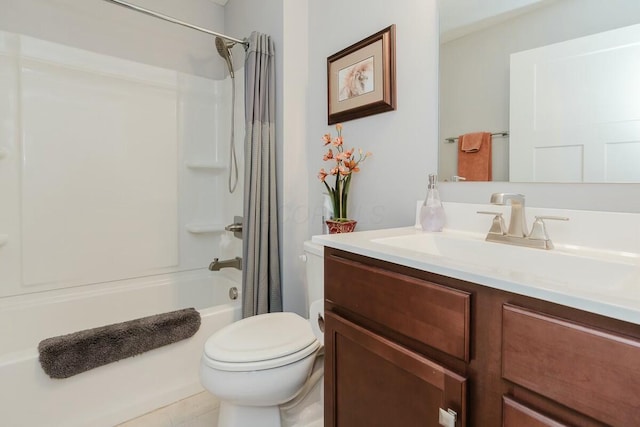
<point x="67" y="355"/>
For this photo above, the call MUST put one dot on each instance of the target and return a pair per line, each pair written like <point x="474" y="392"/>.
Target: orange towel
<point x="471" y="142"/>
<point x="474" y="156"/>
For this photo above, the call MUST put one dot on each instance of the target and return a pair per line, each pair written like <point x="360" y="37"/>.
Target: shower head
<point x="224" y="50"/>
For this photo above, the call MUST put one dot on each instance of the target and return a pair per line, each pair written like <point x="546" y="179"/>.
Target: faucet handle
<point x="497" y="226"/>
<point x="539" y="230"/>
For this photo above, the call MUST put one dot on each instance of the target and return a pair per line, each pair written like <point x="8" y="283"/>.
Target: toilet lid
<point x="259" y="338"/>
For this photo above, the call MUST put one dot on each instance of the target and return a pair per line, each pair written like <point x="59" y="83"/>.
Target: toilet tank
<point x="314" y="266"/>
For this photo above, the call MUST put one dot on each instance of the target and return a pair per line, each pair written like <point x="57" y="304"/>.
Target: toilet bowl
<point x="257" y="364"/>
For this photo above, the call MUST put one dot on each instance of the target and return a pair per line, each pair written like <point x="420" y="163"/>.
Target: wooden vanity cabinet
<point x="376" y="325"/>
<point x="401" y="344"/>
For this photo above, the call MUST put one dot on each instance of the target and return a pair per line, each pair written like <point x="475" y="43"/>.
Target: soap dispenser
<point x="432" y="212"/>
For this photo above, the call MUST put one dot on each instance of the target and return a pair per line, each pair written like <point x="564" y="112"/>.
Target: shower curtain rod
<point x="177" y="21"/>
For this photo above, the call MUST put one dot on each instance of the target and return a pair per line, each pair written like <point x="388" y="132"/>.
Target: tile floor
<point x="199" y="410"/>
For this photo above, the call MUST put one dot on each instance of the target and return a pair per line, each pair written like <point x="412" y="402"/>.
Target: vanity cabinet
<point x="403" y="345"/>
<point x="376" y="324"/>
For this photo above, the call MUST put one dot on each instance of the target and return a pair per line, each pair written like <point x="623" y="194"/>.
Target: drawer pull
<point x="447" y="418"/>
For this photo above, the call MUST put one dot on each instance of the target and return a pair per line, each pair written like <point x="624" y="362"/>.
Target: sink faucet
<point x="216" y="265"/>
<point x="517" y="222"/>
<point x="516" y="233"/>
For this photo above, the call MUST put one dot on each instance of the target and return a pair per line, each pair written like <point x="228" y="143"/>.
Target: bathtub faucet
<point x="216" y="265"/>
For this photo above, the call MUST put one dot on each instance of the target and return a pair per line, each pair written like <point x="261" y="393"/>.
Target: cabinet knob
<point x="447" y="418"/>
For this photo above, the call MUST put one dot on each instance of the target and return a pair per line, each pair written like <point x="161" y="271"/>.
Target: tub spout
<point x="216" y="265"/>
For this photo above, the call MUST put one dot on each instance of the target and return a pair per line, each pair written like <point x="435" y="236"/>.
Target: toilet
<point x="263" y="363"/>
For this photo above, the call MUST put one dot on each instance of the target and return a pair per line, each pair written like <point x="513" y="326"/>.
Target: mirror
<point x="478" y="92"/>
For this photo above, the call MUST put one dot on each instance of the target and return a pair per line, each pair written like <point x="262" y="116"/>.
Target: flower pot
<point x="341" y="226"/>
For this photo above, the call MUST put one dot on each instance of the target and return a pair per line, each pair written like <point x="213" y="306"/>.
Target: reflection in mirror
<point x="478" y="92"/>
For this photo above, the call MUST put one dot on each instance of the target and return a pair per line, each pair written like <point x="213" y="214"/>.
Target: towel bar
<point x="451" y="140"/>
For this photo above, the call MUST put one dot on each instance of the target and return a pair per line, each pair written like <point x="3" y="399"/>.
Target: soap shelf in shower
<point x="4" y="239"/>
<point x="203" y="228"/>
<point x="206" y="165"/>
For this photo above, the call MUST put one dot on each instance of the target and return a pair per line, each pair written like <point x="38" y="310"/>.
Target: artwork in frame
<point x="361" y="79"/>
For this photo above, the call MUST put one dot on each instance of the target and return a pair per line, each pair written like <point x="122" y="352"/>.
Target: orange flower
<point x="345" y="155"/>
<point x="352" y="165"/>
<point x="346" y="163"/>
<point x="322" y="175"/>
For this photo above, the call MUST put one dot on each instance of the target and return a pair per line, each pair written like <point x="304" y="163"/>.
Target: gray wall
<point x="383" y="194"/>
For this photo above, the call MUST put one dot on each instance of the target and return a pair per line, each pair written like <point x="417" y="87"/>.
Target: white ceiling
<point x="220" y="2"/>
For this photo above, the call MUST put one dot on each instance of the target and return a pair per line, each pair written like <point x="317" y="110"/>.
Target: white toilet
<point x="257" y="364"/>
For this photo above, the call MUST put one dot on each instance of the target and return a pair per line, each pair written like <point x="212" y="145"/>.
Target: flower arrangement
<point x="346" y="164"/>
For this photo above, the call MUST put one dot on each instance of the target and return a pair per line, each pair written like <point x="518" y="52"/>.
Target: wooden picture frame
<point x="361" y="79"/>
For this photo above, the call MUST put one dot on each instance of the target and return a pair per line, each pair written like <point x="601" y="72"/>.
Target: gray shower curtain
<point x="260" y="250"/>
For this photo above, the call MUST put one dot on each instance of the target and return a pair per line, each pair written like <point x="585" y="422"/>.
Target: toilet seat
<point x="260" y="342"/>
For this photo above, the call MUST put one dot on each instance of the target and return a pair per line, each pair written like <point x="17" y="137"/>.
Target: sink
<point x="568" y="268"/>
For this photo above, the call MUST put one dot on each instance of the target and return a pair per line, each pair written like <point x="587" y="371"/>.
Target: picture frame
<point x="361" y="79"/>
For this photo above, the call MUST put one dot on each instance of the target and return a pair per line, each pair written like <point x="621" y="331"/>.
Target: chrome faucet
<point x="516" y="233"/>
<point x="216" y="265"/>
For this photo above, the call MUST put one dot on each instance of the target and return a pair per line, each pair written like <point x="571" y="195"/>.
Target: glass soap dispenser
<point x="432" y="212"/>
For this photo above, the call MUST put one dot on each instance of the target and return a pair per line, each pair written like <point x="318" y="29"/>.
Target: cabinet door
<point x="371" y="381"/>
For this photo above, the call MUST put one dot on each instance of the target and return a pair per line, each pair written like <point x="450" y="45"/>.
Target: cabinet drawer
<point x="592" y="371"/>
<point x="427" y="312"/>
<point x="515" y="414"/>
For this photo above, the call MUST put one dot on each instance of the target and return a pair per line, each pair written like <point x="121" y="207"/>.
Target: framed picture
<point x="361" y="79"/>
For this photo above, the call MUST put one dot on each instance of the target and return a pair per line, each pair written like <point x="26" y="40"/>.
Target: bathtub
<point x="117" y="392"/>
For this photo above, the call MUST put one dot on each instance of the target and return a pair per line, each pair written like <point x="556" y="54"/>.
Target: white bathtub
<point x="119" y="391"/>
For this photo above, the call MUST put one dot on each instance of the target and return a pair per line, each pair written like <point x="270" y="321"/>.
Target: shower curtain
<point x="260" y="250"/>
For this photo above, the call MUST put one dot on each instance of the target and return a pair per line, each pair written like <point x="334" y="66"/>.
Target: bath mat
<point x="67" y="355"/>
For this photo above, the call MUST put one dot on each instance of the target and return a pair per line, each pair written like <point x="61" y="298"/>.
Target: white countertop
<point x="619" y="300"/>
